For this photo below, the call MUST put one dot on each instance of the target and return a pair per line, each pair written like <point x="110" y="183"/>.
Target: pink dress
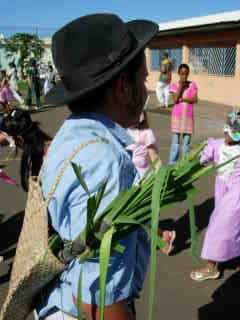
<point x="143" y="140"/>
<point x="182" y="113"/>
<point x="222" y="239"/>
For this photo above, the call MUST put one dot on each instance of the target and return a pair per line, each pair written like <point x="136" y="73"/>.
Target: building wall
<point x="218" y="89"/>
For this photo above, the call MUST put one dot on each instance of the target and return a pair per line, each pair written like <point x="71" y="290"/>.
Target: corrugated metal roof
<point x="225" y="17"/>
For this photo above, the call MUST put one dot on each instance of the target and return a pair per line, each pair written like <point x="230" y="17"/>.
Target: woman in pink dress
<point x="222" y="239"/>
<point x="5" y="92"/>
<point x="144" y="151"/>
<point x="185" y="95"/>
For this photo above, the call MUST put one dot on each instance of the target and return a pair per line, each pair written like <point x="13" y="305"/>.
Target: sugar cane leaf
<point x="91" y="211"/>
<point x="100" y="193"/>
<point x="129" y="221"/>
<point x="152" y="164"/>
<point x="126" y="220"/>
<point x="189" y="160"/>
<point x="105" y="249"/>
<point x="193" y="228"/>
<point x="153" y="259"/>
<point x="200" y="173"/>
<point x="161" y="243"/>
<point x="195" y="152"/>
<point x="79" y="298"/>
<point x="159" y="189"/>
<point x="150" y="170"/>
<point x="114" y="204"/>
<point x="55" y="244"/>
<point x="191" y="166"/>
<point x="53" y="241"/>
<point x="208" y="170"/>
<point x="78" y="172"/>
<point x="122" y="203"/>
<point x="119" y="248"/>
<point x="116" y="246"/>
<point x="227" y="162"/>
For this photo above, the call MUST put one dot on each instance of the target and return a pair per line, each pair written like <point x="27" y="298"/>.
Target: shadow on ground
<point x="182" y="227"/>
<point x="10" y="230"/>
<point x="44" y="108"/>
<point x="225" y="301"/>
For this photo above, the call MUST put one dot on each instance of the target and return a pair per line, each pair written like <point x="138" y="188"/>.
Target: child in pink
<point x="144" y="151"/>
<point x="222" y="239"/>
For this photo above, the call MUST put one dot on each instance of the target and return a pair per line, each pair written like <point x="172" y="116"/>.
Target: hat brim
<point x="143" y="30"/>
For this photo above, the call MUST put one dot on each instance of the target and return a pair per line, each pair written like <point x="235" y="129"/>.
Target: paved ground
<point x="177" y="297"/>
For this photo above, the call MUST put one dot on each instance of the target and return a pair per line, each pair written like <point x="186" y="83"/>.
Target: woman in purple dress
<point x="222" y="239"/>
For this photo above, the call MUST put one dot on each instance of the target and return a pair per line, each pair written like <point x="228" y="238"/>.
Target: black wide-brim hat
<point x="91" y="50"/>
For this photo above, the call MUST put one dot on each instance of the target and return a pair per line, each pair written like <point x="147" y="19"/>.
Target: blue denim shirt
<point x="67" y="211"/>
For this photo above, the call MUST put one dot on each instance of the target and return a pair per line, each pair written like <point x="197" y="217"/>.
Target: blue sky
<point x="48" y="15"/>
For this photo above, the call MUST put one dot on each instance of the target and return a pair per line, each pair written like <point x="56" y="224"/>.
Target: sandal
<point x="205" y="274"/>
<point x="168" y="237"/>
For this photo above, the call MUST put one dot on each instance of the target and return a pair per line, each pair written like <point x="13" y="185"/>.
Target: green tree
<point x="26" y="46"/>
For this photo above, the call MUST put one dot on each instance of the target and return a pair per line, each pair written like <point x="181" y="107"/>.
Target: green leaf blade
<point x="78" y="172"/>
<point x="105" y="249"/>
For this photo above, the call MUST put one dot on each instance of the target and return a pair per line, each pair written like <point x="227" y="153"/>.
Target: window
<point x="213" y="60"/>
<point x="175" y="55"/>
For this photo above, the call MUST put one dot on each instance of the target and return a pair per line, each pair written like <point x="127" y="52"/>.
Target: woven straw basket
<point x="34" y="265"/>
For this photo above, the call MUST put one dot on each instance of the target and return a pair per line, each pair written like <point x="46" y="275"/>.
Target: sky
<point x="46" y="16"/>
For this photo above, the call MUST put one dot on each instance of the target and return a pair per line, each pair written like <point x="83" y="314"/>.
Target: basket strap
<point x="66" y="163"/>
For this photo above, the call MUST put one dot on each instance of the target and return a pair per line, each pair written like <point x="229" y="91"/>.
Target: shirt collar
<point x="115" y="129"/>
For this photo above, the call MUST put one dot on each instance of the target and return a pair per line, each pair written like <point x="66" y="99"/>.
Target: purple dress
<point x="222" y="239"/>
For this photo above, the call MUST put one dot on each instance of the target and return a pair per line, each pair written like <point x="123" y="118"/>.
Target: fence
<point x="219" y="61"/>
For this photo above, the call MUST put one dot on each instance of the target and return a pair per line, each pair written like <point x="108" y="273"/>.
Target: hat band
<point x="88" y="74"/>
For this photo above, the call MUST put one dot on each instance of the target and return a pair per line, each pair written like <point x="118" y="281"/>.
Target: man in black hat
<point x="102" y="65"/>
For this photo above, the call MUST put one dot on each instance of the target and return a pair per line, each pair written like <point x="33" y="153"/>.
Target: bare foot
<point x="168" y="237"/>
